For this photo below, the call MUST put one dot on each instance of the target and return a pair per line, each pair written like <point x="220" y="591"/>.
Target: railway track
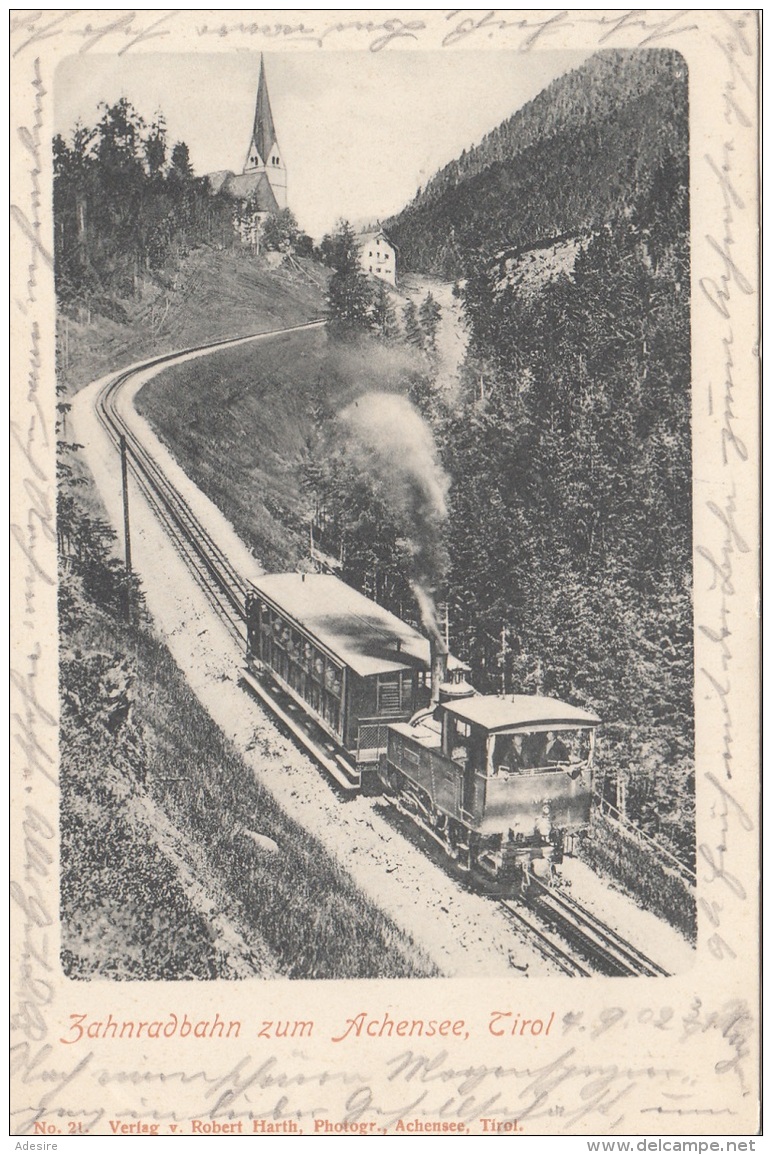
<point x="223" y="585"/>
<point x="564" y="933"/>
<point x="549" y="946"/>
<point x="595" y="943"/>
<point x="210" y="565"/>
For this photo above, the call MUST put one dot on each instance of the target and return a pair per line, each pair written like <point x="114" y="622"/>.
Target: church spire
<point x="264" y="133"/>
<point x="264" y="155"/>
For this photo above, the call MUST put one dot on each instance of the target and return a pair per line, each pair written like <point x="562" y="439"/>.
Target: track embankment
<point x="464" y="933"/>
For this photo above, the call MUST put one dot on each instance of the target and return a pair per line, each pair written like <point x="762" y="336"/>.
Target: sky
<point x="359" y="132"/>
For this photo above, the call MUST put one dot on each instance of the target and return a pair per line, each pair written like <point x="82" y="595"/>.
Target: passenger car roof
<point x="519" y="711"/>
<point x="365" y="636"/>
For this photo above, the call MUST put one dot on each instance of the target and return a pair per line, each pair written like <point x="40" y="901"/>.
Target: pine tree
<point x="429" y="314"/>
<point x="181" y="166"/>
<point x="413" y="331"/>
<point x="349" y="295"/>
<point x="384" y="317"/>
<point x="154" y="147"/>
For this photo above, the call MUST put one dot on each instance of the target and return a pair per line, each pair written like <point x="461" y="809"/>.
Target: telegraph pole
<point x="126" y="527"/>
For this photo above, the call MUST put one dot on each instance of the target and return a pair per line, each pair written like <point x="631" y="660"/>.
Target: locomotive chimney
<point x="439" y="659"/>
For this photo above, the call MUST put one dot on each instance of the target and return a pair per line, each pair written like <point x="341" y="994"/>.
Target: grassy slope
<point x="128" y="910"/>
<point x="212" y="295"/>
<point x="239" y="422"/>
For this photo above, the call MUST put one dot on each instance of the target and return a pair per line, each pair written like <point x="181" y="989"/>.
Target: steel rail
<point x="216" y="575"/>
<point x="592" y="939"/>
<point x="548" y="945"/>
<point x="204" y="557"/>
<point x="579" y="930"/>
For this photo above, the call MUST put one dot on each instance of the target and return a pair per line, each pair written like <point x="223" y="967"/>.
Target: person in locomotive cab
<point x="508" y="754"/>
<point x="534" y="751"/>
<point x="558" y="753"/>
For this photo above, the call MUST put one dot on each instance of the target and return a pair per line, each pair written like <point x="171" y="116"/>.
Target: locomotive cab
<point x="503" y="783"/>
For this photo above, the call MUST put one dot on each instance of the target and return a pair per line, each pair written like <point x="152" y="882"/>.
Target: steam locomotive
<point x="502" y="783"/>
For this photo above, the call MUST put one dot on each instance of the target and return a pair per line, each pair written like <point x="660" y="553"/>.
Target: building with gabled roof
<point x="253" y="189"/>
<point x="378" y="255"/>
<point x="261" y="187"/>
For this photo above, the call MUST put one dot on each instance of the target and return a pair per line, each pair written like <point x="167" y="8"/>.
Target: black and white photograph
<point x="376" y="376"/>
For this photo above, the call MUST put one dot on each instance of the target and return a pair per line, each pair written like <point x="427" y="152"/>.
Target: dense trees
<point x="566" y="161"/>
<point x="569" y="452"/>
<point x="125" y="204"/>
<point x="570" y="527"/>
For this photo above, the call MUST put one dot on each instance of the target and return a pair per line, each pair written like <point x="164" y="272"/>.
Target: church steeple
<point x="264" y="155"/>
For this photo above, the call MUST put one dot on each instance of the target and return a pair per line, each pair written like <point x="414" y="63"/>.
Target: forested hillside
<point x="569" y="452"/>
<point x="126" y="202"/>
<point x="129" y="212"/>
<point x="563" y="461"/>
<point x="573" y="157"/>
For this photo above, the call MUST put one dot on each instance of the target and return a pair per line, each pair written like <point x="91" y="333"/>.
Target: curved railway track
<point x="564" y="933"/>
<point x="209" y="563"/>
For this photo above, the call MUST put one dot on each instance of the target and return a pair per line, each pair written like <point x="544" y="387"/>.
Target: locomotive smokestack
<point x="439" y="660"/>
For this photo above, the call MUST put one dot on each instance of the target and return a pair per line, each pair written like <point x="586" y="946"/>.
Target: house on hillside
<point x="378" y="255"/>
<point x="261" y="187"/>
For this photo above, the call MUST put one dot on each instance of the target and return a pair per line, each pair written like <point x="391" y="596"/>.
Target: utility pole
<point x="503" y="659"/>
<point x="126" y="528"/>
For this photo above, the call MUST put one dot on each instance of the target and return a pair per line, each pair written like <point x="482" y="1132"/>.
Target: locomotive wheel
<point x="445" y="830"/>
<point x="393" y="779"/>
<point x="460" y="842"/>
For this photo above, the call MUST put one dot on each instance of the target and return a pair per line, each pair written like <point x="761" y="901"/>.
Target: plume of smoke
<point x="385" y="368"/>
<point x="392" y="443"/>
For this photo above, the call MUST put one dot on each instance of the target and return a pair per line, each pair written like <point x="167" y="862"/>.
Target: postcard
<point x="385" y="581"/>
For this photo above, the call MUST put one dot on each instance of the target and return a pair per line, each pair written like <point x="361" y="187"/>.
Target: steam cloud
<point x="392" y="443"/>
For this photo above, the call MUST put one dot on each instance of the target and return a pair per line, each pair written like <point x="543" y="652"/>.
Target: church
<point x="261" y="187"/>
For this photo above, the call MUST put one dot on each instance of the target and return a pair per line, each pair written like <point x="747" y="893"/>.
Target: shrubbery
<point x="609" y="851"/>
